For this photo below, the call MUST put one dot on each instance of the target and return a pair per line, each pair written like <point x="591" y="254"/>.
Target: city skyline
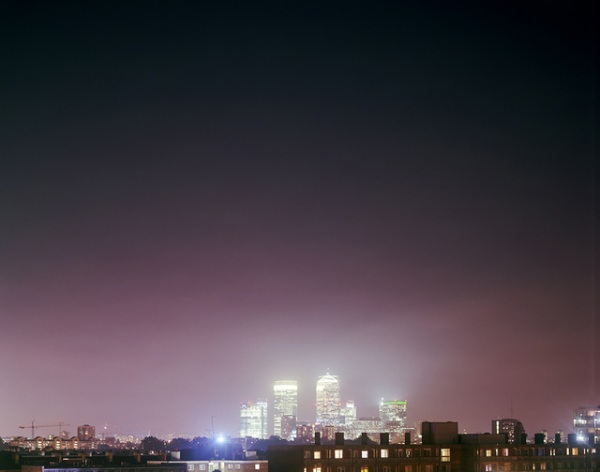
<point x="585" y="427"/>
<point x="255" y="416"/>
<point x="199" y="198"/>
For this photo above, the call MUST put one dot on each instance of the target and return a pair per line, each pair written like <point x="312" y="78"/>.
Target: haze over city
<point x="200" y="198"/>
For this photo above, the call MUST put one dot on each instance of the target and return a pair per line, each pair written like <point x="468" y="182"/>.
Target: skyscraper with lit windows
<point x="512" y="427"/>
<point x="348" y="413"/>
<point x="586" y="423"/>
<point x="393" y="411"/>
<point x="253" y="419"/>
<point x="328" y="400"/>
<point x="285" y="408"/>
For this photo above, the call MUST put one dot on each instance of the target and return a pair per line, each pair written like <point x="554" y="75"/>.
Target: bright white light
<point x="220" y="439"/>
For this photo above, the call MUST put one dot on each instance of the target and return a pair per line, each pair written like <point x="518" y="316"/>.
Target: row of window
<point x="115" y="469"/>
<point x="235" y="466"/>
<point x="383" y="453"/>
<point x="386" y="468"/>
<point x="444" y="468"/>
<point x="540" y="451"/>
<point x="537" y="466"/>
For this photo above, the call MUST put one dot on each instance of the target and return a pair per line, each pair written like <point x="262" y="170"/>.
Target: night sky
<point x="199" y="198"/>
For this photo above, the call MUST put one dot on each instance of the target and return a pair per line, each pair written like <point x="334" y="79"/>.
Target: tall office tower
<point x="288" y="427"/>
<point x="328" y="400"/>
<point x="393" y="418"/>
<point x="514" y="429"/>
<point x="253" y="420"/>
<point x="285" y="408"/>
<point x="348" y="413"/>
<point x="586" y="422"/>
<point x="394" y="410"/>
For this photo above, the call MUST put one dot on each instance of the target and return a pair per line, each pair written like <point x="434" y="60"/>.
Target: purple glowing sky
<point x="199" y="200"/>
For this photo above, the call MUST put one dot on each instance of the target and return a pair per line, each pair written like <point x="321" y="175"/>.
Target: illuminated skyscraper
<point x="586" y="422"/>
<point x="393" y="418"/>
<point x="348" y="413"/>
<point x="514" y="428"/>
<point x="285" y="408"/>
<point x="328" y="400"/>
<point x="394" y="410"/>
<point x="253" y="420"/>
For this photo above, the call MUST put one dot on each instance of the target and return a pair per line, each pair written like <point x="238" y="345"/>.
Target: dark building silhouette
<point x="439" y="433"/>
<point x="514" y="428"/>
<point x="442" y="450"/>
<point x="86" y="432"/>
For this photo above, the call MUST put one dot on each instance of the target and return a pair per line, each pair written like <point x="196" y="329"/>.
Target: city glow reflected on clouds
<point x="212" y="198"/>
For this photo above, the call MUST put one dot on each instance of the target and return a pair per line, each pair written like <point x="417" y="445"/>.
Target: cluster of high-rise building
<point x="331" y="421"/>
<point x="331" y="415"/>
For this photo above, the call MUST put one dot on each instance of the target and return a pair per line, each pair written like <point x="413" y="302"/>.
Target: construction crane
<point x="35" y="426"/>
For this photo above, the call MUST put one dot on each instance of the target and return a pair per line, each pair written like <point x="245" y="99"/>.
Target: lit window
<point x="339" y="454"/>
<point x="408" y="468"/>
<point x="190" y="466"/>
<point x="505" y="452"/>
<point x="317" y="455"/>
<point x="364" y="468"/>
<point x="488" y="467"/>
<point x="364" y="454"/>
<point x="445" y="454"/>
<point x="257" y="467"/>
<point x="574" y="451"/>
<point x="317" y="469"/>
<point x="385" y="453"/>
<point x="488" y="453"/>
